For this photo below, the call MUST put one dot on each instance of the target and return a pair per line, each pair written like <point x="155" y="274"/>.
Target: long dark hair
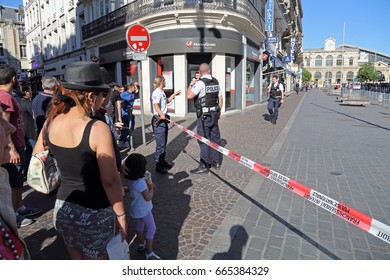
<point x="64" y="99"/>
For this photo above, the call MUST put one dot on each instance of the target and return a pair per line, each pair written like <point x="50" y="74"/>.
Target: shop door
<point x="193" y="62"/>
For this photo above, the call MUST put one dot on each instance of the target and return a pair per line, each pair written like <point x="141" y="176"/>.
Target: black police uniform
<point x="207" y="110"/>
<point x="274" y="101"/>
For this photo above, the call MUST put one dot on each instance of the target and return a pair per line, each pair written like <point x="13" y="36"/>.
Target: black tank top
<point x="80" y="176"/>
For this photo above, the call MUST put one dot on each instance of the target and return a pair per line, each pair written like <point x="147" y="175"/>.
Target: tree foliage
<point x="306" y="76"/>
<point x="367" y="73"/>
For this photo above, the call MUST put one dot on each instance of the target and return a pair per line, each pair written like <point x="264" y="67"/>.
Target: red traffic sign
<point x="264" y="56"/>
<point x="138" y="38"/>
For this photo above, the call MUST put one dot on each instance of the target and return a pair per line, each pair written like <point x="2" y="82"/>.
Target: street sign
<point x="269" y="15"/>
<point x="138" y="38"/>
<point x="286" y="59"/>
<point x="272" y="40"/>
<point x="139" y="56"/>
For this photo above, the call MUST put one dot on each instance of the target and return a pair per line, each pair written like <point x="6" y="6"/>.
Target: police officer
<point x="160" y="123"/>
<point x="208" y="103"/>
<point x="276" y="97"/>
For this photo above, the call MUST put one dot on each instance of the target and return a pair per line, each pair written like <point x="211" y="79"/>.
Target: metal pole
<point x="141" y="99"/>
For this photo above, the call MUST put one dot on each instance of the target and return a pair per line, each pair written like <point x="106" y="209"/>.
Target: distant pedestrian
<point x="30" y="133"/>
<point x="90" y="200"/>
<point x="41" y="102"/>
<point x="276" y="97"/>
<point x="141" y="203"/>
<point x="160" y="123"/>
<point x="297" y="87"/>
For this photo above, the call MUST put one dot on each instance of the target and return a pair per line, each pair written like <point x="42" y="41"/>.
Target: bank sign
<point x="269" y="15"/>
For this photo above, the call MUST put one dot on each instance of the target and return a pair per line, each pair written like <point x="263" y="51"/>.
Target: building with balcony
<point x="341" y="64"/>
<point x="13" y="39"/>
<point x="184" y="33"/>
<point x="227" y="34"/>
<point x="284" y="52"/>
<point x="53" y="36"/>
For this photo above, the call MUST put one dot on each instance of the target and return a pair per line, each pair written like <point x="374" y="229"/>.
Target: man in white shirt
<point x="208" y="103"/>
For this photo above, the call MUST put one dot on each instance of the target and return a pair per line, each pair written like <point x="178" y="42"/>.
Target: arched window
<point x="339" y="60"/>
<point x="338" y="76"/>
<point x="318" y="60"/>
<point x="317" y="75"/>
<point x="351" y="61"/>
<point x="307" y="61"/>
<point x="329" y="60"/>
<point x="328" y="78"/>
<point x="350" y="76"/>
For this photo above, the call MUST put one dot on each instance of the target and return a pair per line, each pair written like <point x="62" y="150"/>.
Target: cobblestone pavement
<point x="202" y="216"/>
<point x="340" y="151"/>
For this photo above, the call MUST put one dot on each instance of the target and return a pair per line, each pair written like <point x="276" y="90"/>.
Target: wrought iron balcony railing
<point x="141" y="8"/>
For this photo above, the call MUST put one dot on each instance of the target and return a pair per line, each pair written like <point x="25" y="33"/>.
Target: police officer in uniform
<point x="160" y="123"/>
<point x="276" y="97"/>
<point x="208" y="103"/>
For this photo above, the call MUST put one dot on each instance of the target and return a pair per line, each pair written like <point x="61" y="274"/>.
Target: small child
<point x="141" y="203"/>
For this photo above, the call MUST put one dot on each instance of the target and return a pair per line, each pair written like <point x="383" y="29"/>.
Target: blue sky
<point x="367" y="23"/>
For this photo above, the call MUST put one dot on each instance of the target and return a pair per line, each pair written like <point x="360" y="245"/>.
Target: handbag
<point x="118" y="250"/>
<point x="43" y="174"/>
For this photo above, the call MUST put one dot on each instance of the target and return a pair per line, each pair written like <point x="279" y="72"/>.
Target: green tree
<point x="306" y="75"/>
<point x="367" y="73"/>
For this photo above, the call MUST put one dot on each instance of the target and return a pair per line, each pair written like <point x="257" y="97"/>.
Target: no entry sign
<point x="138" y="38"/>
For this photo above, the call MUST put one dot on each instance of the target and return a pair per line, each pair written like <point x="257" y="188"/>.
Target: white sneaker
<point x="152" y="256"/>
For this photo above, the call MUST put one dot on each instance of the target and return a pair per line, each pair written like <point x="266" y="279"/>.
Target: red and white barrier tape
<point x="366" y="223"/>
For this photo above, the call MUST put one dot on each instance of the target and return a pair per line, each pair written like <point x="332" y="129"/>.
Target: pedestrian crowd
<point x="85" y="120"/>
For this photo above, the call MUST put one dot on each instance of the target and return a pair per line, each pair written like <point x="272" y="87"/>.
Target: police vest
<point x="275" y="91"/>
<point x="211" y="97"/>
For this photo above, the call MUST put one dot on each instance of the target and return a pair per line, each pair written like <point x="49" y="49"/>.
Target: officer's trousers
<point x="208" y="128"/>
<point x="161" y="135"/>
<point x="273" y="107"/>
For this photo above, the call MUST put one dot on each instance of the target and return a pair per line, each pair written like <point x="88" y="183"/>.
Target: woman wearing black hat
<point x="90" y="198"/>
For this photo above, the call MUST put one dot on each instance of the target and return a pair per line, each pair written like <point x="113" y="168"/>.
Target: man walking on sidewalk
<point x="276" y="98"/>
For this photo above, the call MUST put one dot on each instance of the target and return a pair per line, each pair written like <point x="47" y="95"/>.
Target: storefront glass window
<point x="250" y="83"/>
<point x="230" y="86"/>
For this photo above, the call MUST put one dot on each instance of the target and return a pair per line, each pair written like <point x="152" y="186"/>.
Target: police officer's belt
<point x="209" y="109"/>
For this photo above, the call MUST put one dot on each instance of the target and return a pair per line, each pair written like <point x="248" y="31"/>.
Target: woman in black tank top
<point x="89" y="203"/>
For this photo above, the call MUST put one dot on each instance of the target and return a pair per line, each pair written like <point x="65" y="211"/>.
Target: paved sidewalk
<point x="342" y="152"/>
<point x="234" y="213"/>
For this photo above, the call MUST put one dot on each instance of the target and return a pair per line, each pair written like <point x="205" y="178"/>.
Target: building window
<point x="317" y="75"/>
<point x="338" y="77"/>
<point x="329" y="60"/>
<point x="350" y="76"/>
<point x="318" y="60"/>
<point x="328" y="78"/>
<point x="351" y="61"/>
<point x="23" y="52"/>
<point x="307" y="61"/>
<point x="339" y="60"/>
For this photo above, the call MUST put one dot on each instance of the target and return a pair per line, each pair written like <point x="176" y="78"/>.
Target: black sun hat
<point x="106" y="77"/>
<point x="83" y="75"/>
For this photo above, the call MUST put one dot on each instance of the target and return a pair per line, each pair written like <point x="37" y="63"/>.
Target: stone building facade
<point x="341" y="64"/>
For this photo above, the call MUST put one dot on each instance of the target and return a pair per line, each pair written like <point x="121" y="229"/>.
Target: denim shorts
<point x="87" y="230"/>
